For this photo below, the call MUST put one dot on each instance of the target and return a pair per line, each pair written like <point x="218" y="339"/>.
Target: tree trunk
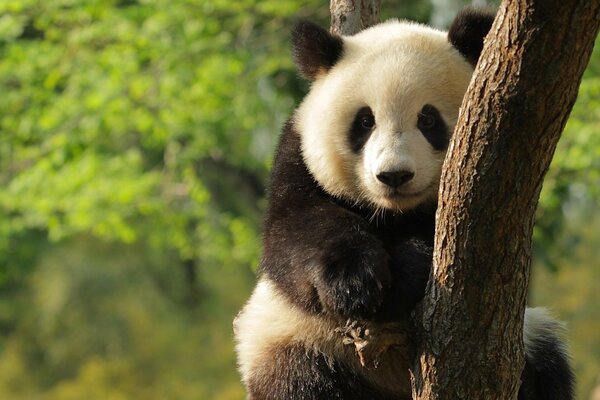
<point x="512" y="116"/>
<point x="351" y="16"/>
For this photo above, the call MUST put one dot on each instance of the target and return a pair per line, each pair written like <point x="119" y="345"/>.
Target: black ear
<point x="315" y="50"/>
<point x="468" y="30"/>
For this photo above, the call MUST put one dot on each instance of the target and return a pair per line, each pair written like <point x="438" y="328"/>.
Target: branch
<point x="512" y="116"/>
<point x="351" y="16"/>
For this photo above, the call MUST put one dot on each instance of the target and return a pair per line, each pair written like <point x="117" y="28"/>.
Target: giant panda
<point x="349" y="227"/>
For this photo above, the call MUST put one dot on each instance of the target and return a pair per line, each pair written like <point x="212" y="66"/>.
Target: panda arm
<point x="410" y="265"/>
<point x="321" y="254"/>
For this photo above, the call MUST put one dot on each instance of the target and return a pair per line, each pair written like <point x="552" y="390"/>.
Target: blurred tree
<point x="444" y="10"/>
<point x="147" y="126"/>
<point x="572" y="186"/>
<point x="571" y="291"/>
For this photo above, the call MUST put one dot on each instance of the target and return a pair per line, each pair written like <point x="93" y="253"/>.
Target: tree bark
<point x="351" y="16"/>
<point x="511" y="118"/>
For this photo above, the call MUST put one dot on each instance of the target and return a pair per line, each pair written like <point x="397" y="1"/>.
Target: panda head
<point x="383" y="103"/>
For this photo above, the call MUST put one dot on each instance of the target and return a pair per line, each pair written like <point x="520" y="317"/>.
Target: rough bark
<point x="351" y="16"/>
<point x="512" y="116"/>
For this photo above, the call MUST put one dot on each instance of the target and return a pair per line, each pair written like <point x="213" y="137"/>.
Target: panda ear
<point x="468" y="30"/>
<point x="315" y="50"/>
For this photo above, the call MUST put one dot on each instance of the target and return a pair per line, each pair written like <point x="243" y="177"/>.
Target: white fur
<point x="269" y="322"/>
<point x="539" y="329"/>
<point x="394" y="68"/>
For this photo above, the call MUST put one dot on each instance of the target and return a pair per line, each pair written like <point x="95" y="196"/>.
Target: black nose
<point x="395" y="178"/>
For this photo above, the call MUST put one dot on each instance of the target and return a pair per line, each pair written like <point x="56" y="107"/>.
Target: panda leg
<point x="547" y="374"/>
<point x="295" y="373"/>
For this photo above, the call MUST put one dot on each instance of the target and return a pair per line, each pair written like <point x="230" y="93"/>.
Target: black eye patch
<point x="362" y="126"/>
<point x="433" y="127"/>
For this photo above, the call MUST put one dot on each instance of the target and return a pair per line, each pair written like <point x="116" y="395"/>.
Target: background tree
<point x="351" y="16"/>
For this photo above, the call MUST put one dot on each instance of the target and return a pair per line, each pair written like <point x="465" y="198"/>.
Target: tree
<point x="511" y="119"/>
<point x="471" y="319"/>
<point x="351" y="16"/>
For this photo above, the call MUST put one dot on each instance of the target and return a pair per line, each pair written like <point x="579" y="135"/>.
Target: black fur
<point x="433" y="127"/>
<point x="468" y="30"/>
<point x="361" y="128"/>
<point x="326" y="255"/>
<point x="298" y="374"/>
<point x="315" y="50"/>
<point x="547" y="374"/>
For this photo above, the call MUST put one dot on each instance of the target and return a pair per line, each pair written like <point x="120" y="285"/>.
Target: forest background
<point x="136" y="138"/>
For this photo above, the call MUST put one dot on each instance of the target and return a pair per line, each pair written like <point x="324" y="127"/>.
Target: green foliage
<point x="571" y="292"/>
<point x="574" y="176"/>
<point x="112" y="108"/>
<point x="135" y="141"/>
<point x="145" y="127"/>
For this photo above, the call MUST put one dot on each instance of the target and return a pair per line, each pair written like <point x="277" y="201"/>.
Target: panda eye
<point x="427" y="118"/>
<point x="432" y="126"/>
<point x="364" y="119"/>
<point x="362" y="126"/>
<point x="367" y="121"/>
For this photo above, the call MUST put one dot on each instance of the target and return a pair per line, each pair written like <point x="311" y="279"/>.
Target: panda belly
<point x="287" y="353"/>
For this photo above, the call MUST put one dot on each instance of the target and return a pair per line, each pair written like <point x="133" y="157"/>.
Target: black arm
<point x="323" y="255"/>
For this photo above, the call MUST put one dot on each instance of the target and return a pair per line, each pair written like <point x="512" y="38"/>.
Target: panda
<point x="349" y="227"/>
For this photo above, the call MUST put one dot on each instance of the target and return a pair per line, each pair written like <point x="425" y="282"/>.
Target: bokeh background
<point x="136" y="138"/>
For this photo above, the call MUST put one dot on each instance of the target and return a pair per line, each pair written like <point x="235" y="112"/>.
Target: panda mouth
<point x="399" y="198"/>
<point x="399" y="194"/>
<point x="395" y="198"/>
<point x="403" y="197"/>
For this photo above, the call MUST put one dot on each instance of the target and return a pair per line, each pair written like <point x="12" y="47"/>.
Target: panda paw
<point x="371" y="344"/>
<point x="355" y="282"/>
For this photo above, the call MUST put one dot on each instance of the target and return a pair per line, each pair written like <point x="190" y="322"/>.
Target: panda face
<point x="376" y="124"/>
